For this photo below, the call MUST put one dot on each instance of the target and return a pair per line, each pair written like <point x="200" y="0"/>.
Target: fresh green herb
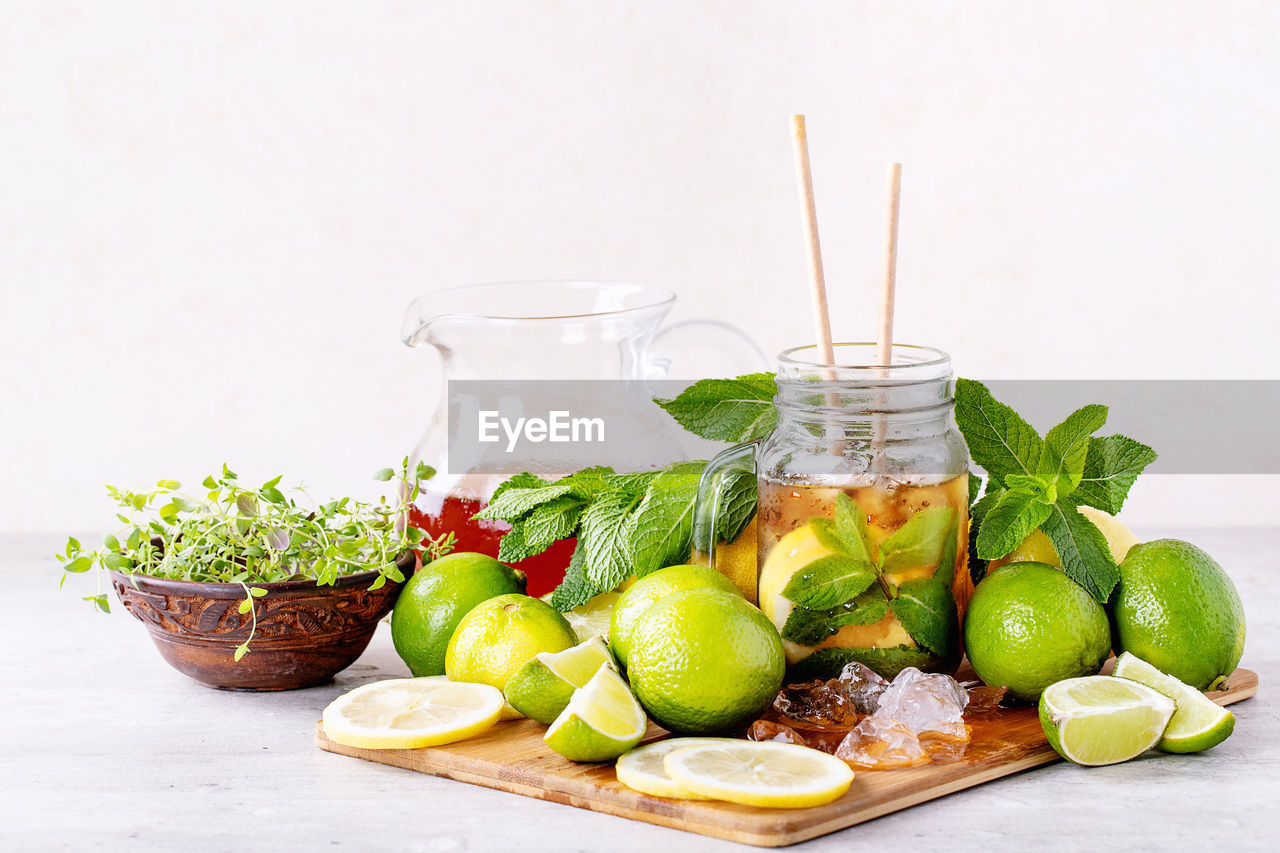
<point x="234" y="533"/>
<point x="735" y="410"/>
<point x="1038" y="483"/>
<point x="626" y="524"/>
<point x="850" y="587"/>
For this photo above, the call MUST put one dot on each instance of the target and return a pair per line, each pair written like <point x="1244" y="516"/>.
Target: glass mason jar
<point x="862" y="512"/>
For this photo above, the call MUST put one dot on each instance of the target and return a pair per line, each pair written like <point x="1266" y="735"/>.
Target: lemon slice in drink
<point x="642" y="770"/>
<point x="408" y="713"/>
<point x="1100" y="719"/>
<point x="774" y="775"/>
<point x="542" y="688"/>
<point x="1198" y="723"/>
<point x="602" y="720"/>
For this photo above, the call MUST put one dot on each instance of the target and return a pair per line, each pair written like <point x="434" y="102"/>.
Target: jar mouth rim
<point x="915" y="357"/>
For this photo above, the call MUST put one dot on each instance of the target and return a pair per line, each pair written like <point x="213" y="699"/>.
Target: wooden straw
<point x="809" y="214"/>
<point x="884" y="343"/>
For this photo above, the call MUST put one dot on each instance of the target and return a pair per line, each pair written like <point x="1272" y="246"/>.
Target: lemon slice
<point x="1198" y="723"/>
<point x="774" y="775"/>
<point x="1100" y="719"/>
<point x="408" y="713"/>
<point x="542" y="688"/>
<point x="642" y="770"/>
<point x="602" y="721"/>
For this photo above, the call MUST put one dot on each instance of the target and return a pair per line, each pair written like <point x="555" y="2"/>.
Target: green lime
<point x="654" y="587"/>
<point x="601" y="722"/>
<point x="705" y="661"/>
<point x="1099" y="719"/>
<point x="542" y="688"/>
<point x="1029" y="625"/>
<point x="434" y="601"/>
<point x="1176" y="609"/>
<point x="500" y="635"/>
<point x="1198" y="724"/>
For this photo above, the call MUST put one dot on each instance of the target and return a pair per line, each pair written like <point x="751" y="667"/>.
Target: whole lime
<point x="654" y="587"/>
<point x="1176" y="609"/>
<point x="1029" y="626"/>
<point x="434" y="601"/>
<point x="704" y="661"/>
<point x="499" y="636"/>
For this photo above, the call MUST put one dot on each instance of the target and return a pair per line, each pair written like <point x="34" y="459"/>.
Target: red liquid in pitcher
<point x="544" y="571"/>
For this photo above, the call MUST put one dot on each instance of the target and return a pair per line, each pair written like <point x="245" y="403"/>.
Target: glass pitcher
<point x="549" y="330"/>
<point x="862" y="512"/>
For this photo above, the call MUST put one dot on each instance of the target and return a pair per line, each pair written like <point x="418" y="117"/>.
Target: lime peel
<point x="1198" y="723"/>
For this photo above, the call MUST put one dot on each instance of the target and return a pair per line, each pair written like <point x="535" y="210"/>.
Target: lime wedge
<point x="1099" y="719"/>
<point x="409" y="713"/>
<point x="542" y="688"/>
<point x="642" y="770"/>
<point x="1198" y="723"/>
<point x="602" y="720"/>
<point x="773" y="775"/>
<point x="593" y="618"/>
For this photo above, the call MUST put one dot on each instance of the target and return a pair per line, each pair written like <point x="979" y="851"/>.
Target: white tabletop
<point x="103" y="746"/>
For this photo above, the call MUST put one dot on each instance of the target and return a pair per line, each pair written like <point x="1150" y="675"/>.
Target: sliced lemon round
<point x="1100" y="719"/>
<point x="408" y="713"/>
<point x="773" y="775"/>
<point x="602" y="720"/>
<point x="642" y="770"/>
<point x="1198" y="723"/>
<point x="542" y="688"/>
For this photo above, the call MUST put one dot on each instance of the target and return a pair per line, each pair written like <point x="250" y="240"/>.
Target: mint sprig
<point x="1038" y="483"/>
<point x="629" y="523"/>
<point x="849" y="587"/>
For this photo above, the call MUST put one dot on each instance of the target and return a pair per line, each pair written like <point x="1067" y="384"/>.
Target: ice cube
<point x="863" y="686"/>
<point x="880" y="743"/>
<point x="820" y="702"/>
<point x="984" y="699"/>
<point x="926" y="702"/>
<point x="770" y="730"/>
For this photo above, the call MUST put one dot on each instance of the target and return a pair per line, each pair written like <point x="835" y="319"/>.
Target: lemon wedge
<point x="408" y="713"/>
<point x="773" y="775"/>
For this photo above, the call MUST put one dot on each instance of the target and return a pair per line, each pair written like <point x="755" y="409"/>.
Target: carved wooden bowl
<point x="306" y="633"/>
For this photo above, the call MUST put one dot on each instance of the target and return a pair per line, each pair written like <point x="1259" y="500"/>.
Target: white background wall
<point x="213" y="214"/>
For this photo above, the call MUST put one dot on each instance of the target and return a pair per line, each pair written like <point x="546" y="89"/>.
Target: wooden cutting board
<point x="512" y="757"/>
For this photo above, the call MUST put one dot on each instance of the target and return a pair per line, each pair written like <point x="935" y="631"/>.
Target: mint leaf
<point x="810" y="627"/>
<point x="919" y="542"/>
<point x="999" y="439"/>
<point x="575" y="590"/>
<point x="1082" y="549"/>
<point x="735" y="410"/>
<point x="550" y="522"/>
<point x="1016" y="513"/>
<point x="946" y="571"/>
<point x="829" y="581"/>
<point x="513" y="503"/>
<point x="661" y="530"/>
<point x="524" y="480"/>
<point x="851" y="528"/>
<point x="975" y="485"/>
<point x="511" y="547"/>
<point x="1067" y="444"/>
<point x="604" y="539"/>
<point x="1112" y="464"/>
<point x="926" y="608"/>
<point x="739" y="493"/>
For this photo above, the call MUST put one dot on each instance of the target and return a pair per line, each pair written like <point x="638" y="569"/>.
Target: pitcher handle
<point x="715" y="518"/>
<point x="739" y="353"/>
